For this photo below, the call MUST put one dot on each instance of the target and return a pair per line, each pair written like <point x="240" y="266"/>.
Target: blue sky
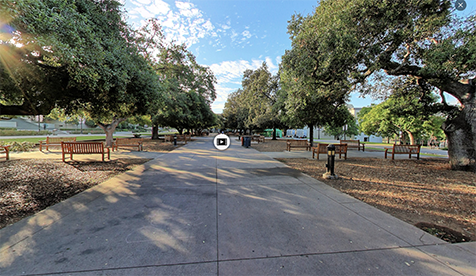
<point x="231" y="36"/>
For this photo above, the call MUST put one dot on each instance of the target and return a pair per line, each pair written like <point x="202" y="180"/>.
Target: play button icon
<point x="221" y="142"/>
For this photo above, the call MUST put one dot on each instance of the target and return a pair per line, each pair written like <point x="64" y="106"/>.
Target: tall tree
<point x="357" y="40"/>
<point x="260" y="93"/>
<point x="189" y="90"/>
<point x="235" y="112"/>
<point x="308" y="102"/>
<point x="344" y="123"/>
<point x="409" y="109"/>
<point x="74" y="55"/>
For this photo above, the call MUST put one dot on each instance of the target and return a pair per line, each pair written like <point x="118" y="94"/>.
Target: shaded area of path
<point x="200" y="211"/>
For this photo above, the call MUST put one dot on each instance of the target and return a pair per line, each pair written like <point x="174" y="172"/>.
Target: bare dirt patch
<point x="29" y="186"/>
<point x="270" y="145"/>
<point x="158" y="146"/>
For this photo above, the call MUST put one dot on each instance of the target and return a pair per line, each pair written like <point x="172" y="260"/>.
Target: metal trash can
<point x="247" y="142"/>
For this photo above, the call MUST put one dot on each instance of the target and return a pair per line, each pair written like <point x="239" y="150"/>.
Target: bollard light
<point x="175" y="140"/>
<point x="331" y="153"/>
<point x="331" y="150"/>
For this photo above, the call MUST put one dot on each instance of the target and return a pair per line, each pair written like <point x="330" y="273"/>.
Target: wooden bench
<point x="84" y="148"/>
<point x="5" y="150"/>
<point x="184" y="138"/>
<point x="257" y="138"/>
<point x="322" y="149"/>
<point x="55" y="141"/>
<point x="403" y="149"/>
<point x="354" y="144"/>
<point x="180" y="138"/>
<point x="297" y="144"/>
<point x="128" y="142"/>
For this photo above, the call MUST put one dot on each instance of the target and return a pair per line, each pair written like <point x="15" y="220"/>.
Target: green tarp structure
<point x="269" y="133"/>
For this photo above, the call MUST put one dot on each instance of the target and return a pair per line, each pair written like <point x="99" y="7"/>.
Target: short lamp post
<point x="331" y="153"/>
<point x="175" y="140"/>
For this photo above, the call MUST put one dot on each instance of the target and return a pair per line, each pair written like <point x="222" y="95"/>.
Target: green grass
<point x="36" y="140"/>
<point x="78" y="138"/>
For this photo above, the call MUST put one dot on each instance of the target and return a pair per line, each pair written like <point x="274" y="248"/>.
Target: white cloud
<point x="229" y="75"/>
<point x="246" y="34"/>
<point x="183" y="24"/>
<point x="233" y="35"/>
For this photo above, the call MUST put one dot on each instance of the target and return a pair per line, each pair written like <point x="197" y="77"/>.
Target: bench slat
<point x="297" y="144"/>
<point x="128" y="142"/>
<point x="403" y="149"/>
<point x="322" y="149"/>
<point x="84" y="148"/>
<point x="354" y="144"/>
<point x="55" y="141"/>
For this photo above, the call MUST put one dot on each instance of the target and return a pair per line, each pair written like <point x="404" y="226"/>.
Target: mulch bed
<point x="29" y="186"/>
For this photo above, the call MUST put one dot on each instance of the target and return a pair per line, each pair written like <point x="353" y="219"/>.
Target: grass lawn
<point x="37" y="139"/>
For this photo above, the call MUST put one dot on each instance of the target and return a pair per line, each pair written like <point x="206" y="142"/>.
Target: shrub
<point x="14" y="132"/>
<point x="17" y="146"/>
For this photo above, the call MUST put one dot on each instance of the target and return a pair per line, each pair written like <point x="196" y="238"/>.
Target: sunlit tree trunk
<point x="109" y="130"/>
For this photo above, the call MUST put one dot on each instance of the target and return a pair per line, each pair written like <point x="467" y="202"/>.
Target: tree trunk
<point x="180" y="130"/>
<point x="109" y="130"/>
<point x="155" y="132"/>
<point x="311" y="135"/>
<point x="412" y="137"/>
<point x="461" y="134"/>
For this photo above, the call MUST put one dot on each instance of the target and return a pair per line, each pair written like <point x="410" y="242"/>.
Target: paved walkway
<point x="199" y="211"/>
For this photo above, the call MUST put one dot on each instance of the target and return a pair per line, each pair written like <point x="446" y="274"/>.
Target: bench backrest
<point x="406" y="148"/>
<point x="322" y="147"/>
<point x="129" y="141"/>
<point x="82" y="147"/>
<point x="350" y="142"/>
<point x="53" y="140"/>
<point x="298" y="142"/>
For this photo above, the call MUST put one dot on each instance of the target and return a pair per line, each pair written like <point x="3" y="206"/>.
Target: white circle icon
<point x="221" y="142"/>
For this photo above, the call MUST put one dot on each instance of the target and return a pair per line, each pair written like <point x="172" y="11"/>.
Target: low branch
<point x="462" y="90"/>
<point x="23" y="109"/>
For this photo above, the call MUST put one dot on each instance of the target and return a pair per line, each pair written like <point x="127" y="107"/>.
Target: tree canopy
<point x="72" y="55"/>
<point x="359" y="41"/>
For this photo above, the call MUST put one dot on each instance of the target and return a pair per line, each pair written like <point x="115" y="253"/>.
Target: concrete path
<point x="199" y="211"/>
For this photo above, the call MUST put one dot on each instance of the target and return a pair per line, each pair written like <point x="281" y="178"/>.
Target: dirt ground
<point x="424" y="192"/>
<point x="29" y="186"/>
